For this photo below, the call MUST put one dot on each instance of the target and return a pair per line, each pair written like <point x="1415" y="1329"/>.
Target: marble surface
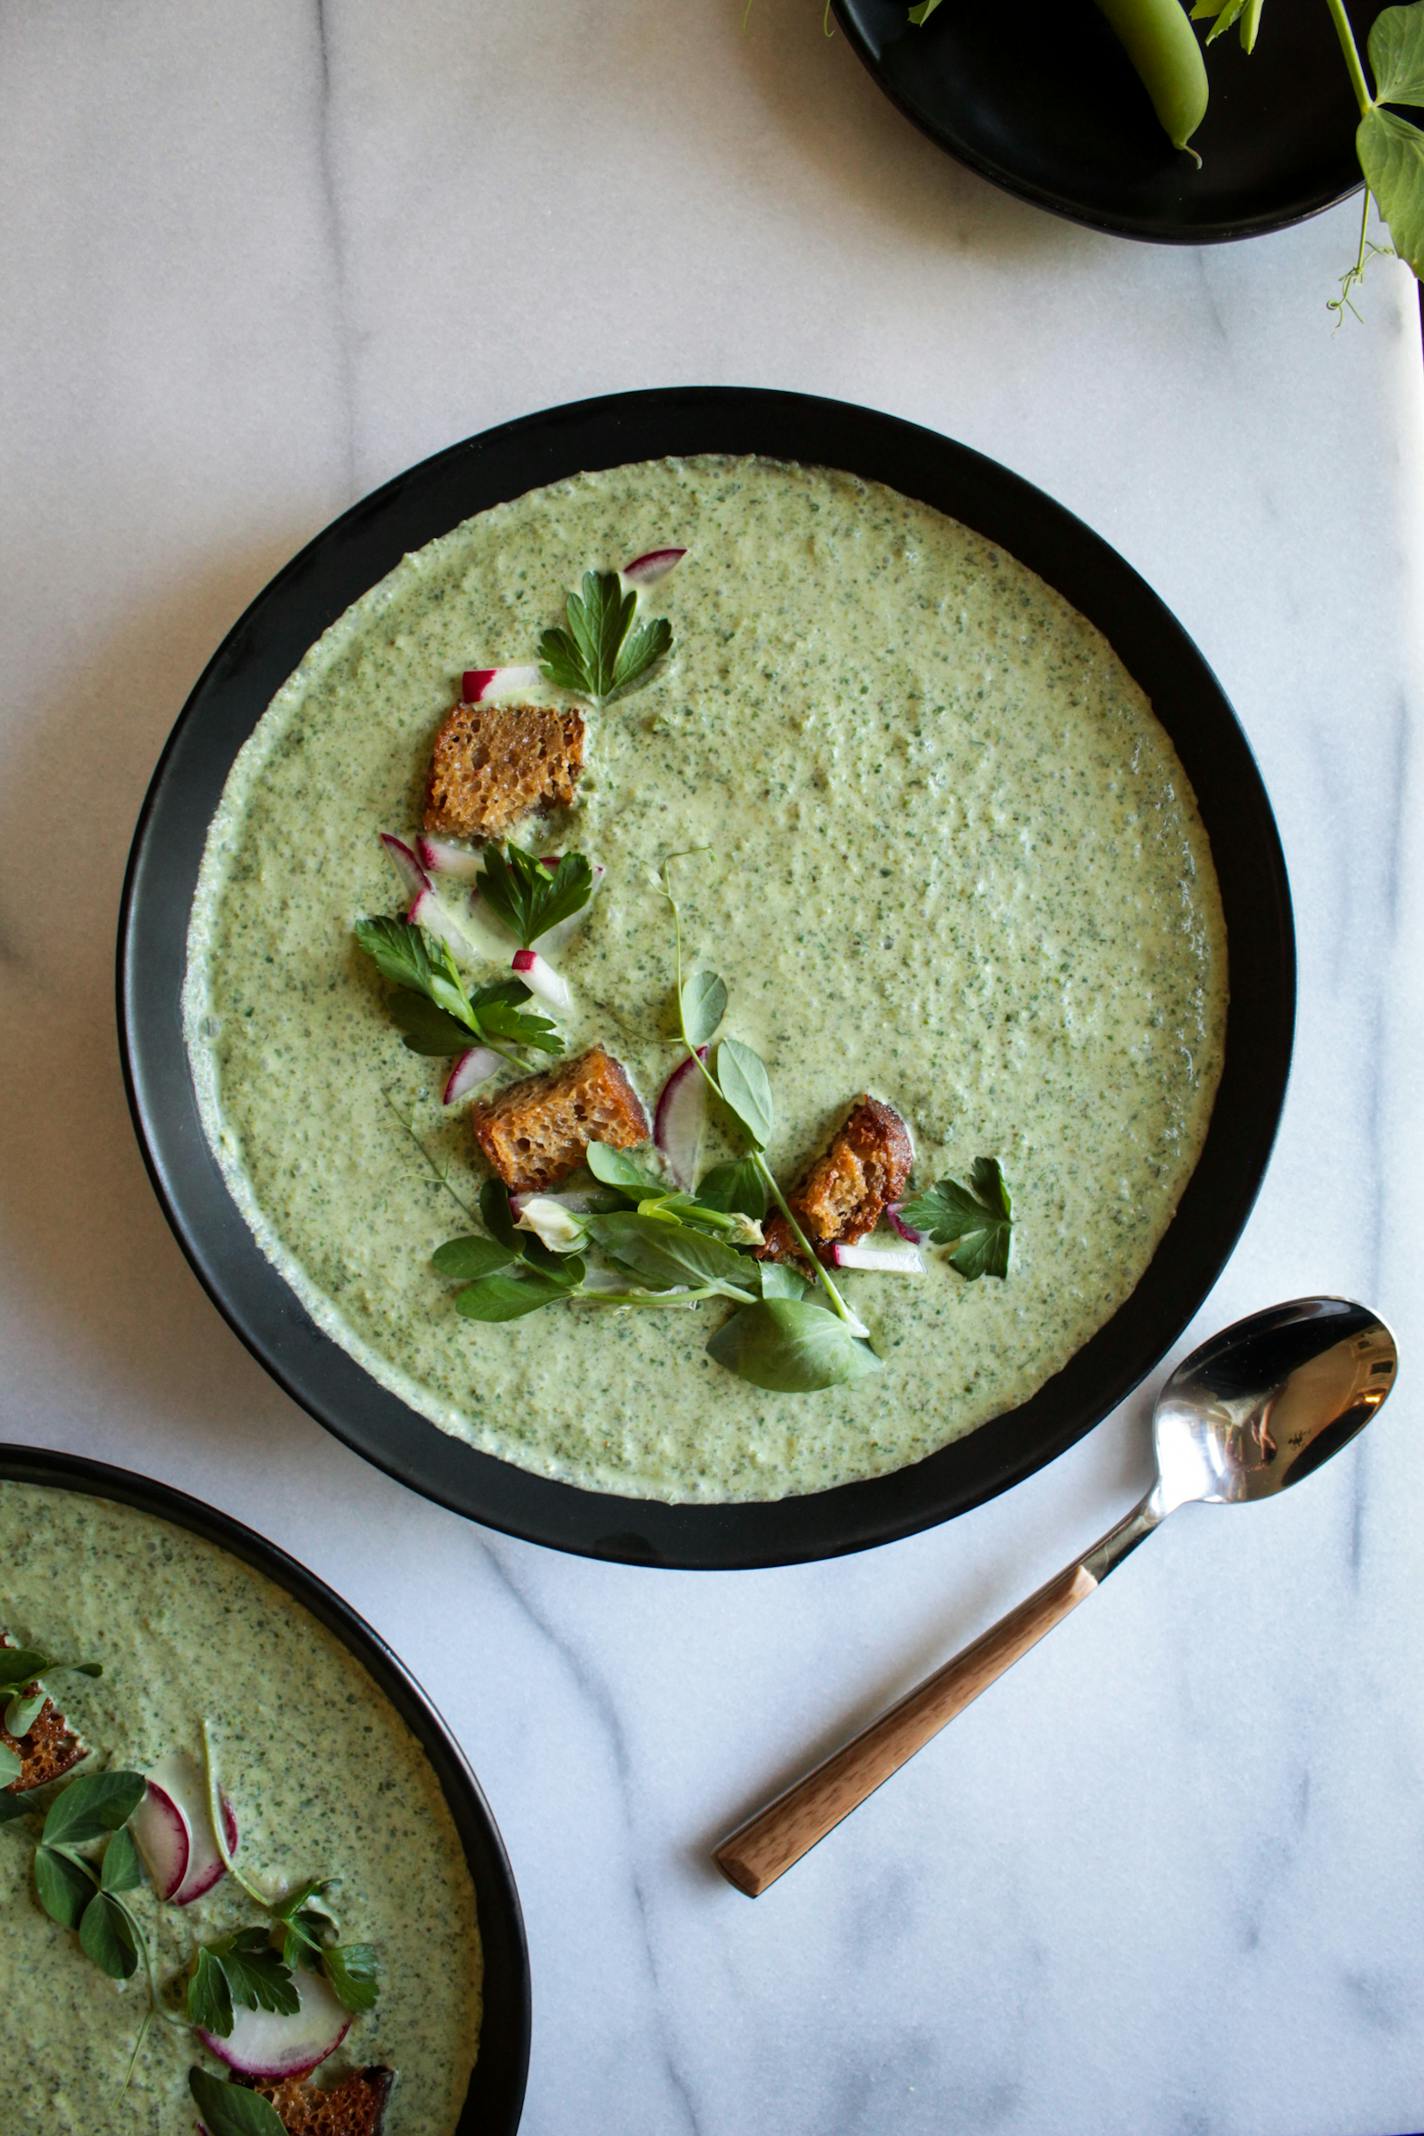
<point x="1167" y="1877"/>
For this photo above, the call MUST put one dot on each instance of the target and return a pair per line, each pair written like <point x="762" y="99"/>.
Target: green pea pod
<point x="1162" y="45"/>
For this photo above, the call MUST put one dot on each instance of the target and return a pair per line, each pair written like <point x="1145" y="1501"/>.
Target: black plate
<point x="496" y="2095"/>
<point x="1040" y="99"/>
<point x="260" y="653"/>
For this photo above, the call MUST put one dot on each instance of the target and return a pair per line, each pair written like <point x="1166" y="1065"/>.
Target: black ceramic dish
<point x="496" y="2094"/>
<point x="1040" y="99"/>
<point x="352" y="555"/>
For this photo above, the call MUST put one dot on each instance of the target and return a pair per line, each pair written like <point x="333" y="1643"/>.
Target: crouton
<point x="492" y="764"/>
<point x="47" y="1751"/>
<point x="843" y="1194"/>
<point x="355" y="2107"/>
<point x="534" y="1133"/>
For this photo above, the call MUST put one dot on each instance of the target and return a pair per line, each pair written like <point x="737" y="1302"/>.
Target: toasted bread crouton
<point x="844" y="1193"/>
<point x="534" y="1133"/>
<point x="48" y="1751"/>
<point x="493" y="764"/>
<point x="356" y="2107"/>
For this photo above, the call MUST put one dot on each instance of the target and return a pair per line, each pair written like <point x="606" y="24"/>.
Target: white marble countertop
<point x="1167" y="1877"/>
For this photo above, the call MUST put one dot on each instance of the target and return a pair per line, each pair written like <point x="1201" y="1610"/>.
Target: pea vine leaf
<point x="791" y="1346"/>
<point x="600" y="654"/>
<point x="1391" y="151"/>
<point x="11" y="1767"/>
<point x="1245" y="15"/>
<point x="977" y="1220"/>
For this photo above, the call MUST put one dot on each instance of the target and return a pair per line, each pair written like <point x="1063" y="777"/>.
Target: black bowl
<point x="1041" y="100"/>
<point x="496" y="2095"/>
<point x="260" y="653"/>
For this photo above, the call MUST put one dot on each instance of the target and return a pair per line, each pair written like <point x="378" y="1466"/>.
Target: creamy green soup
<point x="325" y="1779"/>
<point x="953" y="860"/>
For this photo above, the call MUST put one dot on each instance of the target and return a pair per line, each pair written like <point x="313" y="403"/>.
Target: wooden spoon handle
<point x="768" y="1844"/>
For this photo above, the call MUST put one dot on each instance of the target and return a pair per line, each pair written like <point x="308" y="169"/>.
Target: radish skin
<point x="475" y="1065"/>
<point x="680" y="1119"/>
<point x="407" y="867"/>
<point x="479" y="684"/>
<point x="652" y="565"/>
<point x="541" y="979"/>
<point x="443" y="856"/>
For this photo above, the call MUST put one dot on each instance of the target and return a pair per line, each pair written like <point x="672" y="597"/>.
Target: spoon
<point x="1254" y="1409"/>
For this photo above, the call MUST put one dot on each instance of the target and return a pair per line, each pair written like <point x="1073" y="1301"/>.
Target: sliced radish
<point x="434" y="915"/>
<point x="269" y="2047"/>
<point x="407" y="867"/>
<point x="541" y="979"/>
<point x="444" y="856"/>
<point x="475" y="1065"/>
<point x="160" y="1832"/>
<point x="173" y="1833"/>
<point x="893" y="1258"/>
<point x="476" y="684"/>
<point x="680" y="1119"/>
<point x="653" y="565"/>
<point x="892" y="1211"/>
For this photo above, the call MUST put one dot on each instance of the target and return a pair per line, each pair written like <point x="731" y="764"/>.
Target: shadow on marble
<point x="822" y="98"/>
<point x="98" y="1271"/>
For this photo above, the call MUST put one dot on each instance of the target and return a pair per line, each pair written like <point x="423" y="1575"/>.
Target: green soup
<point x="952" y="859"/>
<point x="325" y="1778"/>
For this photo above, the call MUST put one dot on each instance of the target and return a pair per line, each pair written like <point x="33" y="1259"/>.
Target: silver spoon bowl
<point x="1255" y="1409"/>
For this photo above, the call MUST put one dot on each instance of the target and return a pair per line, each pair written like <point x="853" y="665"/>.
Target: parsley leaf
<point x="601" y="655"/>
<point x="976" y="1220"/>
<point x="441" y="1017"/>
<point x="231" y="2109"/>
<point x="531" y="898"/>
<point x="242" y="1968"/>
<point x="354" y="1974"/>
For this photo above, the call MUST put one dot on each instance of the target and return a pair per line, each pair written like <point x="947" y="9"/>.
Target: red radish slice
<point x="541" y="979"/>
<point x="269" y="2047"/>
<point x="173" y="1819"/>
<point x="680" y="1119"/>
<point x="406" y="865"/>
<point x="897" y="1258"/>
<point x="437" y="919"/>
<point x="472" y="1066"/>
<point x="160" y="1832"/>
<point x="653" y="565"/>
<point x="892" y="1211"/>
<point x="476" y="684"/>
<point x="205" y="1866"/>
<point x="442" y="856"/>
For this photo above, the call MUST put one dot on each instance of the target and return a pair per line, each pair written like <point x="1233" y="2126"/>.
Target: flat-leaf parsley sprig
<point x="600" y="654"/>
<point x="977" y="1220"/>
<point x="436" y="1011"/>
<point x="531" y="896"/>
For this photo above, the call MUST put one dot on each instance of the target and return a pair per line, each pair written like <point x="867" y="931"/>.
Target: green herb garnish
<point x="242" y="1968"/>
<point x="231" y="2109"/>
<point x="21" y="1667"/>
<point x="600" y="654"/>
<point x="531" y="897"/>
<point x="976" y="1220"/>
<point x="437" y="1012"/>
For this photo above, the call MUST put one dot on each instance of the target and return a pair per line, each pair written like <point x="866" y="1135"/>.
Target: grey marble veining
<point x="1168" y="1877"/>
